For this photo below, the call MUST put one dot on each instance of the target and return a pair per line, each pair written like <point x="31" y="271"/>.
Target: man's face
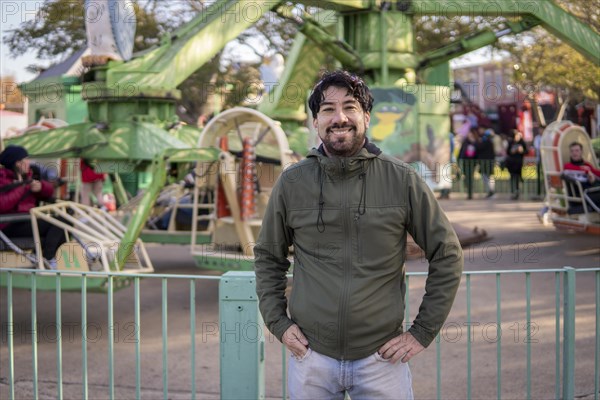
<point x="22" y="166"/>
<point x="576" y="153"/>
<point x="341" y="122"/>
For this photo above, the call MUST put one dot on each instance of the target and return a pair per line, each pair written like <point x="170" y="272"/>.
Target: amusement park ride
<point x="131" y="113"/>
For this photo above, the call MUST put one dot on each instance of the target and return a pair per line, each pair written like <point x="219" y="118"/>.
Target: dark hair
<point x="344" y="79"/>
<point x="576" y="144"/>
<point x="11" y="154"/>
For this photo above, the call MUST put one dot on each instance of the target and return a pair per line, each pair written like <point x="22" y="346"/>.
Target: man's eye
<point x="327" y="109"/>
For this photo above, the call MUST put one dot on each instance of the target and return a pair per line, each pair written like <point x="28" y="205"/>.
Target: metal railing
<point x="540" y="310"/>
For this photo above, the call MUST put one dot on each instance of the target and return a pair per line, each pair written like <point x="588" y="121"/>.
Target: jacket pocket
<point x="378" y="357"/>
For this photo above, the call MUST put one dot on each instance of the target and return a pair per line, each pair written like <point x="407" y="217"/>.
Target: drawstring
<point x="320" y="222"/>
<point x="362" y="204"/>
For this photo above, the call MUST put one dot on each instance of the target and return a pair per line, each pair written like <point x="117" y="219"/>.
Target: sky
<point x="12" y="13"/>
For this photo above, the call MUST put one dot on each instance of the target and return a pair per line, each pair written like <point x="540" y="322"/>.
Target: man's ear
<point x="315" y="123"/>
<point x="367" y="119"/>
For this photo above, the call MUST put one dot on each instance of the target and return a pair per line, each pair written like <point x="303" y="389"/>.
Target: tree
<point x="542" y="60"/>
<point x="59" y="30"/>
<point x="433" y="32"/>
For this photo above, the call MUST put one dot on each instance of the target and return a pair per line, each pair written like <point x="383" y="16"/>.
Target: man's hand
<point x="295" y="341"/>
<point x="403" y="348"/>
<point x="35" y="186"/>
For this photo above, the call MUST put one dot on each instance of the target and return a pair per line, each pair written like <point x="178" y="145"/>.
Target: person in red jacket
<point x="584" y="172"/>
<point x="91" y="182"/>
<point x="19" y="193"/>
<point x="591" y="174"/>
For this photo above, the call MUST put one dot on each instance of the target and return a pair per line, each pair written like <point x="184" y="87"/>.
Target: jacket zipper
<point x="347" y="267"/>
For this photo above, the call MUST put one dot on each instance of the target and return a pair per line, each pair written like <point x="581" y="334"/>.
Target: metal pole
<point x="569" y="334"/>
<point x="242" y="339"/>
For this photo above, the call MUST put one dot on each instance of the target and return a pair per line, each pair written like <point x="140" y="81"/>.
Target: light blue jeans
<point x="318" y="377"/>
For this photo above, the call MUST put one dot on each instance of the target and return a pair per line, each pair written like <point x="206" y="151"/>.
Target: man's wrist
<point x="280" y="327"/>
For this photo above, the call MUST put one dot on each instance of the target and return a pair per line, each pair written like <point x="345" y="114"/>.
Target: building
<point x="11" y="122"/>
<point x="56" y="92"/>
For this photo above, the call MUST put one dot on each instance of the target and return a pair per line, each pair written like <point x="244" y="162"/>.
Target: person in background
<point x="467" y="159"/>
<point x="20" y="193"/>
<point x="487" y="160"/>
<point x="91" y="182"/>
<point x="577" y="163"/>
<point x="445" y="193"/>
<point x="583" y="171"/>
<point x="515" y="154"/>
<point x="347" y="210"/>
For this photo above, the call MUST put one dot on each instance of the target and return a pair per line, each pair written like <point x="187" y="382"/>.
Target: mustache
<point x="341" y="126"/>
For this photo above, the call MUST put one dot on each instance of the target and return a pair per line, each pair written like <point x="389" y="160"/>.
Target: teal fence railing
<point x="511" y="334"/>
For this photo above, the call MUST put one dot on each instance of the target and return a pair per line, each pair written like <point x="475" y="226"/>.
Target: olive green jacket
<point x="348" y="220"/>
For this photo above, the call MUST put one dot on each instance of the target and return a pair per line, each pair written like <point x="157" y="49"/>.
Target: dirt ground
<point x="517" y="241"/>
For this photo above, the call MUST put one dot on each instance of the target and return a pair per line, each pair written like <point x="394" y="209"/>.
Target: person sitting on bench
<point x="19" y="193"/>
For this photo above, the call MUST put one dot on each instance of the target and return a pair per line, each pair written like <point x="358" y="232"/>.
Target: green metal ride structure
<point x="131" y="102"/>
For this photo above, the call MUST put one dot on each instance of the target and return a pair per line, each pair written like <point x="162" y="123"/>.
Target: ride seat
<point x="574" y="189"/>
<point x="571" y="184"/>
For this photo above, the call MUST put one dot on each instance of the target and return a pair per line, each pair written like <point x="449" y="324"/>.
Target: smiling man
<point x="341" y="122"/>
<point x="347" y="209"/>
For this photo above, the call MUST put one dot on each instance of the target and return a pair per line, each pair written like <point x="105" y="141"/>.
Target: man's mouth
<point x="339" y="131"/>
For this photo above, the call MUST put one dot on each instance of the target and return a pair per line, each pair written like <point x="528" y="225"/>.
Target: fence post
<point x="242" y="339"/>
<point x="569" y="334"/>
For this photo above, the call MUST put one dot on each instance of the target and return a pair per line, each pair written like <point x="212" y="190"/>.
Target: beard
<point x="343" y="144"/>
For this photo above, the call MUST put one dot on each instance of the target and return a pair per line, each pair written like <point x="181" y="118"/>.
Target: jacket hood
<point x="344" y="167"/>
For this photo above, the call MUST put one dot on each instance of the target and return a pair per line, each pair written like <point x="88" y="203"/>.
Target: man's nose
<point x="339" y="117"/>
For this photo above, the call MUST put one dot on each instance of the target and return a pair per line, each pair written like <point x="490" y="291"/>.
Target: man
<point x="347" y="210"/>
<point x="590" y="175"/>
<point x="20" y="192"/>
<point x="585" y="173"/>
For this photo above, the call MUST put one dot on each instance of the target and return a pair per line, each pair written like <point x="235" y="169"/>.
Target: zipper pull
<point x="356" y="217"/>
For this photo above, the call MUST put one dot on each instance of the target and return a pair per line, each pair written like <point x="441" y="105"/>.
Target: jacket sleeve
<point x="525" y="149"/>
<point x="272" y="264"/>
<point x="433" y="232"/>
<point x="510" y="149"/>
<point x="46" y="192"/>
<point x="10" y="199"/>
<point x="595" y="171"/>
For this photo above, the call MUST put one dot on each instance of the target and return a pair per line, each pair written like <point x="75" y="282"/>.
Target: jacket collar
<point x="344" y="167"/>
